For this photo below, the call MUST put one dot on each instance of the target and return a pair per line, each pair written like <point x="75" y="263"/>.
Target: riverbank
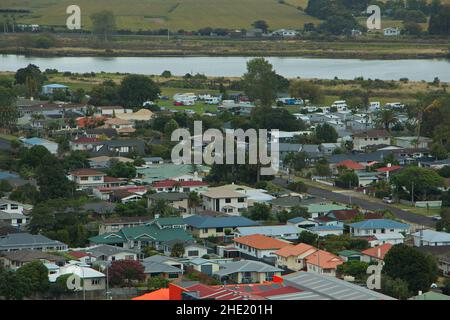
<point x="152" y="46"/>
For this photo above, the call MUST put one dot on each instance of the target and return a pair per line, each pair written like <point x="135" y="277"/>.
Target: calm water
<point x="235" y="66"/>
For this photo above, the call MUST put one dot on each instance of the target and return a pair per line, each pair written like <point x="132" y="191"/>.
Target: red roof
<point x="112" y="179"/>
<point x="350" y="164"/>
<point x="78" y="254"/>
<point x="161" y="294"/>
<point x="389" y="169"/>
<point x="172" y="183"/>
<point x="87" y="172"/>
<point x="126" y="188"/>
<point x="85" y="140"/>
<point x="378" y="252"/>
<point x="344" y="215"/>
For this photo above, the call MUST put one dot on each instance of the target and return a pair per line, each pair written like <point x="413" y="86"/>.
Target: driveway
<point x="410" y="217"/>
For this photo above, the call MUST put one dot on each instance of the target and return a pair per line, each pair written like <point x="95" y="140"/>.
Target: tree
<point x="298" y="186"/>
<point x="322" y="168"/>
<point x="26" y="193"/>
<point x="308" y="238"/>
<point x="156" y="283"/>
<point x="412" y="28"/>
<point x="5" y="186"/>
<point x="13" y="286"/>
<point x="104" y="94"/>
<point x="420" y="181"/>
<point x="36" y="274"/>
<point x="132" y="209"/>
<point x="162" y="208"/>
<point x="32" y="78"/>
<point x="347" y="179"/>
<point x="326" y="133"/>
<point x="338" y="24"/>
<point x="260" y="211"/>
<point x="59" y="287"/>
<point x="76" y="160"/>
<point x="438" y="23"/>
<point x="297" y="161"/>
<point x="134" y="90"/>
<point x="418" y="270"/>
<point x="8" y="109"/>
<point x="438" y="151"/>
<point x="260" y="82"/>
<point x="177" y="250"/>
<point x="103" y="24"/>
<point x="261" y="24"/>
<point x="166" y="74"/>
<point x="386" y="118"/>
<point x="446" y="287"/>
<point x="356" y="269"/>
<point x="194" y="200"/>
<point x="306" y="90"/>
<point x="170" y="127"/>
<point x="120" y="169"/>
<point x="52" y="180"/>
<point x="396" y="288"/>
<point x="123" y="272"/>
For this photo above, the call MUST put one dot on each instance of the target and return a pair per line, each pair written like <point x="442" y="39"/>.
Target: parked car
<point x="436" y="218"/>
<point x="388" y="200"/>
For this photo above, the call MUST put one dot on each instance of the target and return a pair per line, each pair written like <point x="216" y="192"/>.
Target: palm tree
<point x="385" y="118"/>
<point x="194" y="201"/>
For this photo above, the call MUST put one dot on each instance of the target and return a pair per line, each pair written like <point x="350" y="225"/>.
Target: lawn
<point x="422" y="211"/>
<point x="172" y="14"/>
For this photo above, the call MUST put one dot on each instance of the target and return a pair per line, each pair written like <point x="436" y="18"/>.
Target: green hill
<point x="173" y="14"/>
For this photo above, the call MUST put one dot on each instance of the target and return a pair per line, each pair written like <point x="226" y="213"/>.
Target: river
<point x="290" y="67"/>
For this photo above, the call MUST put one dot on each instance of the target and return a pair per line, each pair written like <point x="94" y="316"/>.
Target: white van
<point x="212" y="100"/>
<point x="340" y="105"/>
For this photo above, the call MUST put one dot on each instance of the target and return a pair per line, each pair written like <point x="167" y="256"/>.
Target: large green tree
<point x="134" y="90"/>
<point x="418" y="270"/>
<point x="260" y="82"/>
<point x="32" y="77"/>
<point x="306" y="90"/>
<point x="8" y="108"/>
<point x="326" y="133"/>
<point x="36" y="274"/>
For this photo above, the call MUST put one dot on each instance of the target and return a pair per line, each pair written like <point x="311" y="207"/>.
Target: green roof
<point x="348" y="253"/>
<point x="431" y="295"/>
<point x="324" y="207"/>
<point x="148" y="232"/>
<point x="166" y="171"/>
<point x="170" y="221"/>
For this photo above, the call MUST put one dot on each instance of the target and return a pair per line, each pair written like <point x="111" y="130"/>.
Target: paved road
<point x="363" y="203"/>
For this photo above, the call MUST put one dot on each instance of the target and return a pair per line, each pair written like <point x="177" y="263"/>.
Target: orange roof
<point x="292" y="250"/>
<point x="324" y="260"/>
<point x="350" y="164"/>
<point x="262" y="242"/>
<point x="161" y="294"/>
<point x="378" y="252"/>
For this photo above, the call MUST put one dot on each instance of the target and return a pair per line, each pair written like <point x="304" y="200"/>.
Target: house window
<point x="173" y="275"/>
<point x="95" y="282"/>
<point x="241" y="200"/>
<point x="14" y="207"/>
<point x="227" y="200"/>
<point x="269" y="276"/>
<point x="205" y="230"/>
<point x="84" y="178"/>
<point x="193" y="253"/>
<point x="219" y="229"/>
<point x="98" y="178"/>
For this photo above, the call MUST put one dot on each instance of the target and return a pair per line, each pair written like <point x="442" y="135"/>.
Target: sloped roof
<point x="294" y="250"/>
<point x="378" y="252"/>
<point x="350" y="164"/>
<point x="219" y="222"/>
<point x="261" y="242"/>
<point x="268" y="230"/>
<point x="379" y="224"/>
<point x="324" y="259"/>
<point x="156" y="267"/>
<point x="245" y="266"/>
<point x="161" y="294"/>
<point x="433" y="236"/>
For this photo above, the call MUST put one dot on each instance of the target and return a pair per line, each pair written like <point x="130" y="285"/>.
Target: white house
<point x="92" y="279"/>
<point x="87" y="178"/>
<point x="377" y="226"/>
<point x="14" y="219"/>
<point x="392" y="238"/>
<point x="323" y="262"/>
<point x="10" y="206"/>
<point x="431" y="238"/>
<point x="259" y="246"/>
<point x="323" y="231"/>
<point x="368" y="138"/>
<point x="287" y="232"/>
<point x="227" y="201"/>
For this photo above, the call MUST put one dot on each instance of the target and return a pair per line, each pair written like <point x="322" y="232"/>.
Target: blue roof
<point x="296" y="220"/>
<point x="36" y="141"/>
<point x="325" y="228"/>
<point x="8" y="175"/>
<point x="379" y="224"/>
<point x="219" y="222"/>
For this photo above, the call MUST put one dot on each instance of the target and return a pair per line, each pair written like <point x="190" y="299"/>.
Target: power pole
<point x="412" y="193"/>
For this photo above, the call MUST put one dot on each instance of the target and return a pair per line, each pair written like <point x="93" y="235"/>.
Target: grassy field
<point x="172" y="14"/>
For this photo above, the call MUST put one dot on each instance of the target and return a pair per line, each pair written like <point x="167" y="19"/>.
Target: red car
<point x="178" y="104"/>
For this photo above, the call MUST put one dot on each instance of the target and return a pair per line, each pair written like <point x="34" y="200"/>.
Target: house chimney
<point x="379" y="252"/>
<point x="420" y="292"/>
<point x="157" y="216"/>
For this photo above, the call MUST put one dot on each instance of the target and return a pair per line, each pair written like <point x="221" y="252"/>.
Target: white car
<point x="436" y="218"/>
<point x="388" y="200"/>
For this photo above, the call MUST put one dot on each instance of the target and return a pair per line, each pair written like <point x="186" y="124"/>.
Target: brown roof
<point x="344" y="215"/>
<point x="296" y="250"/>
<point x="261" y="242"/>
<point x="30" y="255"/>
<point x="324" y="259"/>
<point x="372" y="134"/>
<point x="378" y="252"/>
<point x="87" y="172"/>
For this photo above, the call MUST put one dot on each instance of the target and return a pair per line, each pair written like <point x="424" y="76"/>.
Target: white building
<point x="431" y="238"/>
<point x="286" y="232"/>
<point x="259" y="246"/>
<point x="392" y="238"/>
<point x="10" y="206"/>
<point x="389" y="32"/>
<point x="377" y="226"/>
<point x="227" y="201"/>
<point x="87" y="178"/>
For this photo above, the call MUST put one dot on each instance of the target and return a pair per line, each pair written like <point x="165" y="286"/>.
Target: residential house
<point x="104" y="162"/>
<point x="431" y="238"/>
<point x="375" y="254"/>
<point x="181" y="186"/>
<point x="123" y="127"/>
<point x="49" y="89"/>
<point x="329" y="148"/>
<point x="101" y="133"/>
<point x="347" y="164"/>
<point x="293" y="257"/>
<point x="253" y="195"/>
<point x="323" y="231"/>
<point x="114" y="148"/>
<point x="430" y="295"/>
<point x="83" y="144"/>
<point x="377" y="226"/>
<point x="118" y="190"/>
<point x="10" y="206"/>
<point x="413" y="142"/>
<point x="13" y="260"/>
<point x="154" y="234"/>
<point x="14" y="219"/>
<point x="91" y="279"/>
<point x="6" y="228"/>
<point x="205" y="266"/>
<point x="389" y="32"/>
<point x="116" y="224"/>
<point x="150" y="161"/>
<point x="247" y="271"/>
<point x="163" y="266"/>
<point x="365" y="139"/>
<point x="178" y="200"/>
<point x="285" y="33"/>
<point x="170" y="171"/>
<point x="259" y="246"/>
<point x="140" y="115"/>
<point x="205" y="226"/>
<point x="286" y="232"/>
<point x="320" y="209"/>
<point x="26" y="241"/>
<point x="110" y="111"/>
<point x="51" y="146"/>
<point x="87" y="178"/>
<point x="230" y="202"/>
<point x="349" y="255"/>
<point x="303" y="223"/>
<point x="192" y="250"/>
<point x="382" y="238"/>
<point x="442" y="255"/>
<point x="323" y="262"/>
<point x="110" y="253"/>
